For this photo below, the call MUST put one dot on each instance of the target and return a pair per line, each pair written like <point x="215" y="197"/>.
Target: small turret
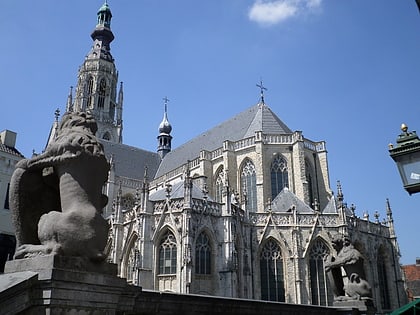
<point x="164" y="138"/>
<point x="390" y="220"/>
<point x="69" y="105"/>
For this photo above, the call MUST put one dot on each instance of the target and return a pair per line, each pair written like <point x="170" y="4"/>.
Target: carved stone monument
<point x="355" y="291"/>
<point x="56" y="201"/>
<point x="56" y="197"/>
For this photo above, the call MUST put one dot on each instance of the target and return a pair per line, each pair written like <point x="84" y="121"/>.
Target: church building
<point x="243" y="210"/>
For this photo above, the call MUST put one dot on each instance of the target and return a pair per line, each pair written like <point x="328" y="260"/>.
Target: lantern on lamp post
<point x="406" y="154"/>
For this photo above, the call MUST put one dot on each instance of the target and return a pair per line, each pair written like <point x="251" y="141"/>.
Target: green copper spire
<point x="104" y="15"/>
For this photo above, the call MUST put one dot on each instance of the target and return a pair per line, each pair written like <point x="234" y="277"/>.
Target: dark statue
<point x="56" y="197"/>
<point x="351" y="260"/>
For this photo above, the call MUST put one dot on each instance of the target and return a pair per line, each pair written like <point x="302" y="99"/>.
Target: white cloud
<point x="270" y="12"/>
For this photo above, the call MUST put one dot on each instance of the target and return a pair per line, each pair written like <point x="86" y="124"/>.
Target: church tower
<point x="96" y="89"/>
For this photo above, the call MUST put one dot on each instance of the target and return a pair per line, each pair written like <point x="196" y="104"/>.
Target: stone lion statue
<point x="351" y="260"/>
<point x="56" y="197"/>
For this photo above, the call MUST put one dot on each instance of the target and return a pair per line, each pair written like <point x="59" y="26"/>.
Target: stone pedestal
<point x="64" y="285"/>
<point x="365" y="307"/>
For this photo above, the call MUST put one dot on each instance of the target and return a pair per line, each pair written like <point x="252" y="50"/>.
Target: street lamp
<point x="406" y="155"/>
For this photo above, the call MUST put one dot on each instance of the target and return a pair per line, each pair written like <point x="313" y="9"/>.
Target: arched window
<point x="167" y="254"/>
<point x="101" y="93"/>
<point x="271" y="271"/>
<point x="203" y="255"/>
<point x="131" y="265"/>
<point x="279" y="176"/>
<point x="249" y="185"/>
<point x="309" y="180"/>
<point x="320" y="291"/>
<point x="218" y="186"/>
<point x="383" y="280"/>
<point x="89" y="92"/>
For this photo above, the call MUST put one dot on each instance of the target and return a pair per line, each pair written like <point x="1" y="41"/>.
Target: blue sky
<point x="346" y="72"/>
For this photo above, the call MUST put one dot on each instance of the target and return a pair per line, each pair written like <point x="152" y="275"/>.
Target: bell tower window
<point x="101" y="93"/>
<point x="89" y="92"/>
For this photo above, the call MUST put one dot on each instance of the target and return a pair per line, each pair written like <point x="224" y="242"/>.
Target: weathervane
<point x="262" y="88"/>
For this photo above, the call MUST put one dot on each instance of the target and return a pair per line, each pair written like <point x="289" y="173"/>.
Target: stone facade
<point x="182" y="204"/>
<point x="244" y="210"/>
<point x="9" y="156"/>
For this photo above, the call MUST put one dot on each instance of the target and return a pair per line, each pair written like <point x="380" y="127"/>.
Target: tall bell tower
<point x="96" y="89"/>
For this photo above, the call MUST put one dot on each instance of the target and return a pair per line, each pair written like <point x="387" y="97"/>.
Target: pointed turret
<point x="69" y="105"/>
<point x="164" y="138"/>
<point x="54" y="127"/>
<point x="340" y="196"/>
<point x="390" y="220"/>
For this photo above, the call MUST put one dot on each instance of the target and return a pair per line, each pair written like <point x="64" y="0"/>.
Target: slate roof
<point x="130" y="161"/>
<point x="10" y="150"/>
<point x="286" y="200"/>
<point x="331" y="207"/>
<point x="256" y="118"/>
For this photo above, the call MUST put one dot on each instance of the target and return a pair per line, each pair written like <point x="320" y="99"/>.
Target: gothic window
<point x="249" y="185"/>
<point x="89" y="92"/>
<point x="167" y="254"/>
<point x="310" y="184"/>
<point x="101" y="93"/>
<point x="203" y="255"/>
<point x="279" y="176"/>
<point x="320" y="291"/>
<point x="383" y="280"/>
<point x="218" y="189"/>
<point x="271" y="271"/>
<point x="131" y="265"/>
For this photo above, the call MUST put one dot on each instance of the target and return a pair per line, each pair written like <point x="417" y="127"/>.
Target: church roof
<point x="10" y="150"/>
<point x="256" y="118"/>
<point x="331" y="207"/>
<point x="129" y="161"/>
<point x="285" y="201"/>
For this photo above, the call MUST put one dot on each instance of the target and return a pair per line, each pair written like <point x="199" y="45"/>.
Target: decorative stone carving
<point x="351" y="260"/>
<point x="56" y="197"/>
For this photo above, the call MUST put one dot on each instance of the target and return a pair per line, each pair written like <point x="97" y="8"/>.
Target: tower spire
<point x="96" y="90"/>
<point x="165" y="128"/>
<point x="102" y="34"/>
